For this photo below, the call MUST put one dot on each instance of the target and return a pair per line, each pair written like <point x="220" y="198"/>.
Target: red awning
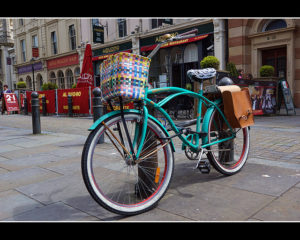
<point x="174" y="43"/>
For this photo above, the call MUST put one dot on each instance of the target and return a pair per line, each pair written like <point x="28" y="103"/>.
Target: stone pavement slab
<point x="40" y="177"/>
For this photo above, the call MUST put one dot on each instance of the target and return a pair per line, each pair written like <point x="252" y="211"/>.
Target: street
<point x="40" y="176"/>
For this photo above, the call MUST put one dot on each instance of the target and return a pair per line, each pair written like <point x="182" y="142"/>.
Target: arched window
<point x="28" y="82"/>
<point x="52" y="78"/>
<point x="274" y="24"/>
<point x="70" y="79"/>
<point x="39" y="82"/>
<point x="61" y="80"/>
<point x="77" y="74"/>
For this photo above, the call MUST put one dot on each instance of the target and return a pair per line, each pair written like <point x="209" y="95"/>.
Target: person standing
<point x="5" y="90"/>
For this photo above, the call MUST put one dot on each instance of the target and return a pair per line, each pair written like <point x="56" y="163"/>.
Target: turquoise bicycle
<point x="130" y="171"/>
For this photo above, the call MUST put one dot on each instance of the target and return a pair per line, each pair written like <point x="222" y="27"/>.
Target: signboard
<point x="63" y="61"/>
<point x="50" y="100"/>
<point x="102" y="53"/>
<point x="129" y="105"/>
<point x="287" y="96"/>
<point x="80" y="100"/>
<point x="11" y="102"/>
<point x="28" y="68"/>
<point x="262" y="93"/>
<point x="98" y="34"/>
<point x="35" y="52"/>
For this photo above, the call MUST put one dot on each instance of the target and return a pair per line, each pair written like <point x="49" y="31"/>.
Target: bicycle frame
<point x="211" y="106"/>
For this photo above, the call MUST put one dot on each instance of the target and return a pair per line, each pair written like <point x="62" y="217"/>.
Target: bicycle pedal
<point x="204" y="167"/>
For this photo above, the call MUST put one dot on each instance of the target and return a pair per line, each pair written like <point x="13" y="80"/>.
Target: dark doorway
<point x="276" y="58"/>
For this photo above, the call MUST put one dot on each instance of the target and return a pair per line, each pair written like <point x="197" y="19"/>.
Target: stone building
<point x="256" y="42"/>
<point x="6" y="53"/>
<point x="47" y="51"/>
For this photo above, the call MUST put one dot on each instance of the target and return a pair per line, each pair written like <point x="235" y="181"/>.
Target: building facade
<point x="6" y="53"/>
<point x="169" y="65"/>
<point x="256" y="42"/>
<point x="47" y="50"/>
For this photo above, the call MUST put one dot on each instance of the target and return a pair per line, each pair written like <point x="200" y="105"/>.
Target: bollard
<point x="35" y="109"/>
<point x="97" y="108"/>
<point x="70" y="106"/>
<point x="44" y="105"/>
<point x="25" y="106"/>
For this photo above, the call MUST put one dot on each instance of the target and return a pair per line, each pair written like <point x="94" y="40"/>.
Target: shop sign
<point x="63" y="61"/>
<point x="35" y="52"/>
<point x="175" y="43"/>
<point x="98" y="34"/>
<point x="103" y="53"/>
<point x="203" y="29"/>
<point x="28" y="68"/>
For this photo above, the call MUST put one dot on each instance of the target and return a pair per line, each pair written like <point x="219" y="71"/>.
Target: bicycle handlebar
<point x="168" y="38"/>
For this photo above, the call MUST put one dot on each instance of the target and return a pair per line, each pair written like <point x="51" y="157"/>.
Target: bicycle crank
<point x="203" y="164"/>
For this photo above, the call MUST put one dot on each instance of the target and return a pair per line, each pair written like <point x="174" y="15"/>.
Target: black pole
<point x="44" y="106"/>
<point x="97" y="108"/>
<point x="33" y="77"/>
<point x="25" y="106"/>
<point x="70" y="106"/>
<point x="35" y="106"/>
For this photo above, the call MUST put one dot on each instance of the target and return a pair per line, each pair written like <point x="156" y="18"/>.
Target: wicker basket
<point x="124" y="75"/>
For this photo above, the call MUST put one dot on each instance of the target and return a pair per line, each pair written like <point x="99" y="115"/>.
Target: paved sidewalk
<point x="40" y="177"/>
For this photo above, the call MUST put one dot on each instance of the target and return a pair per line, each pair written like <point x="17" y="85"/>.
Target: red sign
<point x="63" y="61"/>
<point x="80" y="100"/>
<point x="35" y="52"/>
<point x="174" y="43"/>
<point x="11" y="102"/>
<point x="50" y="100"/>
<point x="117" y="107"/>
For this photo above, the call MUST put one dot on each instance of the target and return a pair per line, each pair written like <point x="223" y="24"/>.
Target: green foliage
<point x="49" y="86"/>
<point x="231" y="68"/>
<point x="266" y="71"/>
<point x="210" y="62"/>
<point x="188" y="86"/>
<point x="45" y="87"/>
<point x="74" y="85"/>
<point x="21" y="84"/>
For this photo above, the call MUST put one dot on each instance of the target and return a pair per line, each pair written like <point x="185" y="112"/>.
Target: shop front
<point x="174" y="59"/>
<point x="100" y="54"/>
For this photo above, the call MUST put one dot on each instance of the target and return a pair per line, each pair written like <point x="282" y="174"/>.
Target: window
<point x="53" y="43"/>
<point x="122" y="27"/>
<point x="34" y="41"/>
<point x="157" y="22"/>
<point x="95" y="22"/>
<point x="72" y="37"/>
<point x="23" y="50"/>
<point x="274" y="24"/>
<point x="21" y="22"/>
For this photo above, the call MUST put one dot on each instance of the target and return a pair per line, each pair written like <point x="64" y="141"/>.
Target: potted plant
<point x="21" y="85"/>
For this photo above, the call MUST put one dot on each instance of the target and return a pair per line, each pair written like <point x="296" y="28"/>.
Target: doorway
<point x="276" y="58"/>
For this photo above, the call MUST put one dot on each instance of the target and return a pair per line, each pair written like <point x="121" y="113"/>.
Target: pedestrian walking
<point x="5" y="90"/>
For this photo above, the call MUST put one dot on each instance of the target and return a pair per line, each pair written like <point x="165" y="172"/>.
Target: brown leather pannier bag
<point x="238" y="108"/>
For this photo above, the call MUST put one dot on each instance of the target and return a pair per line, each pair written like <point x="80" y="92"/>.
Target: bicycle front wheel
<point x="230" y="156"/>
<point x="113" y="179"/>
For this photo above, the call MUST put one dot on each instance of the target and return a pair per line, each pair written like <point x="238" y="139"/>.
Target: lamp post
<point x="32" y="61"/>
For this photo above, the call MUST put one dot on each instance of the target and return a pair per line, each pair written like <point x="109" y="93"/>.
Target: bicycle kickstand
<point x="203" y="164"/>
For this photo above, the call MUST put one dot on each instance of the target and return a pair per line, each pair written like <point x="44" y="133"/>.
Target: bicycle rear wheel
<point x="230" y="156"/>
<point x="113" y="179"/>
